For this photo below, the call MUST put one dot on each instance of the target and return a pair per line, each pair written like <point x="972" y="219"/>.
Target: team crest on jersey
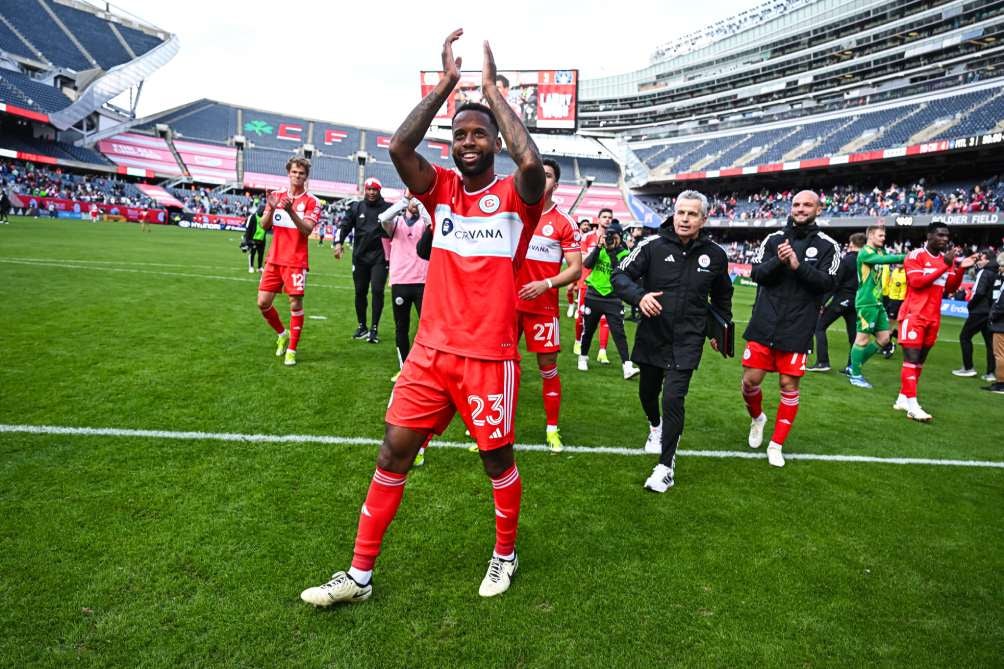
<point x="490" y="203"/>
<point x="548" y="229"/>
<point x="704" y="260"/>
<point x="811" y="252"/>
<point x="447" y="226"/>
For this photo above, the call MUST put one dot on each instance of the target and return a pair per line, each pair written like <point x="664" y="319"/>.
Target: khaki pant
<point x="999" y="355"/>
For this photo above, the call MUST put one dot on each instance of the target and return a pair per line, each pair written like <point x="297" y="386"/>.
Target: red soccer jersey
<point x="289" y="246"/>
<point x="479" y="241"/>
<point x="555" y="234"/>
<point x="589" y="242"/>
<point x="928" y="278"/>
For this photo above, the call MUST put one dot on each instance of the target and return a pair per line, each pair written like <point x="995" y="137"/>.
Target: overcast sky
<point x="358" y="63"/>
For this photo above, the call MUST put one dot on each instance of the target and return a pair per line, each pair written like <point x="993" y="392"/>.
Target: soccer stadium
<point x="181" y="473"/>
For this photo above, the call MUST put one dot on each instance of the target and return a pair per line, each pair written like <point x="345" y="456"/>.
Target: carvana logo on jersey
<point x="447" y="226"/>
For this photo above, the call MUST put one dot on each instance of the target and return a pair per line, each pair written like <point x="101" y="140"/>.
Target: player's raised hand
<point x="488" y="70"/>
<point x="451" y="65"/>
<point x="969" y="261"/>
<point x="274" y="198"/>
<point x="950" y="254"/>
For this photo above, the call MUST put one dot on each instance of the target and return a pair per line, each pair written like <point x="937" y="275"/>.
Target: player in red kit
<point x="539" y="278"/>
<point x="291" y="215"/>
<point x="464" y="358"/>
<point x="931" y="273"/>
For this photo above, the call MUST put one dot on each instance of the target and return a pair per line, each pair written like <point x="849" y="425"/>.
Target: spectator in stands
<point x="369" y="261"/>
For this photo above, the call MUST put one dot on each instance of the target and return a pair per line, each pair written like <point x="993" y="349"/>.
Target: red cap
<point x="373" y="182"/>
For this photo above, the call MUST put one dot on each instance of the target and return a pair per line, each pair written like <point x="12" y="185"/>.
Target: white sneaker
<point x="499" y="576"/>
<point x="654" y="442"/>
<point x="989" y="378"/>
<point x="630" y="371"/>
<point x="901" y="404"/>
<point x="583" y="363"/>
<point x="918" y="414"/>
<point x="660" y="480"/>
<point x="774" y="456"/>
<point x="756" y="431"/>
<point x="250" y="270"/>
<point x="341" y="588"/>
<point x="963" y="372"/>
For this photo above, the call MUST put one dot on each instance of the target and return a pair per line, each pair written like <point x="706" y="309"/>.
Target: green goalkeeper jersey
<point x="870" y="277"/>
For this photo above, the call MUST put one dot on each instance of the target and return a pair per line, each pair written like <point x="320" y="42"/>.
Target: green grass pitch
<point x="156" y="552"/>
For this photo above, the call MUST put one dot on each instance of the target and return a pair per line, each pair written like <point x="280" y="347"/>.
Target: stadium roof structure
<point x="63" y="60"/>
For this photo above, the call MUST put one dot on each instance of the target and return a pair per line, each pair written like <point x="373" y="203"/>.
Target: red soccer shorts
<point x="282" y="278"/>
<point x="434" y="385"/>
<point x="758" y="356"/>
<point x="917" y="333"/>
<point x="541" y="332"/>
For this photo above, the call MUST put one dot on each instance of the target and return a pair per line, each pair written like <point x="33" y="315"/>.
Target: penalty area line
<point x="365" y="441"/>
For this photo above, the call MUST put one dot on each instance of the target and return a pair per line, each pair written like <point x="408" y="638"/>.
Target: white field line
<point x="365" y="441"/>
<point x="127" y="270"/>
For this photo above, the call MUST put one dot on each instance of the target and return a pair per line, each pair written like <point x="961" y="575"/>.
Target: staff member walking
<point x="369" y="260"/>
<point x="679" y="270"/>
<point x="839" y="304"/>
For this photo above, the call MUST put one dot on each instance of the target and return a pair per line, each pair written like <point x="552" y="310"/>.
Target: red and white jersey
<point x="479" y="241"/>
<point x="590" y="241"/>
<point x="289" y="245"/>
<point x="928" y="278"/>
<point x="555" y="235"/>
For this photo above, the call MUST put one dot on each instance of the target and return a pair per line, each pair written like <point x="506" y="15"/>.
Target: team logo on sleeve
<point x="811" y="252"/>
<point x="490" y="203"/>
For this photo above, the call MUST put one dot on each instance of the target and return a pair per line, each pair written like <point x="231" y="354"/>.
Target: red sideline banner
<point x="82" y="209"/>
<point x="740" y="269"/>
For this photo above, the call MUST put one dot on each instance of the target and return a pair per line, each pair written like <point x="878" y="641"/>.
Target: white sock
<point x="653" y="428"/>
<point x="359" y="576"/>
<point x="508" y="558"/>
<point x="762" y="418"/>
<point x="552" y="428"/>
<point x="901" y="398"/>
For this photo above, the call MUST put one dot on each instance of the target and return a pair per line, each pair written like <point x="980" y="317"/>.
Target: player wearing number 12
<point x="539" y="278"/>
<point x="465" y="357"/>
<point x="291" y="215"/>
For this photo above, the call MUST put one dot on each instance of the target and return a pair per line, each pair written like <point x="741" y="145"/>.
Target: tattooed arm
<point x="529" y="175"/>
<point x="415" y="171"/>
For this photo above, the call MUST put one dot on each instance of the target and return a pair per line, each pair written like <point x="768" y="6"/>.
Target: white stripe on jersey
<point x="472" y="236"/>
<point x="545" y="249"/>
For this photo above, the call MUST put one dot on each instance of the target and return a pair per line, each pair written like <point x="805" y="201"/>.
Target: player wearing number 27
<point x="556" y="238"/>
<point x="465" y="357"/>
<point x="291" y="216"/>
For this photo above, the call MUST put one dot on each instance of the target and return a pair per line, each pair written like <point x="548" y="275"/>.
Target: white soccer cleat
<point x="774" y="456"/>
<point x="499" y="576"/>
<point x="901" y="404"/>
<point x="654" y="442"/>
<point x="341" y="588"/>
<point x="918" y="414"/>
<point x="756" y="431"/>
<point x="630" y="371"/>
<point x="660" y="480"/>
<point x="583" y="363"/>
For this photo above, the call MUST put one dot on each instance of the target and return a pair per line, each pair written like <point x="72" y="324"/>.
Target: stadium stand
<point x="19" y="89"/>
<point x="38" y="26"/>
<point x="58" y="150"/>
<point x="94" y="34"/>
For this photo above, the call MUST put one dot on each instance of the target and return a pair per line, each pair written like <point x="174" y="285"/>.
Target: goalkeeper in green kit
<point x="872" y="317"/>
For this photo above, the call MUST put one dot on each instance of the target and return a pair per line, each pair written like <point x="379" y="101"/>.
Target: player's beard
<point x="487" y="161"/>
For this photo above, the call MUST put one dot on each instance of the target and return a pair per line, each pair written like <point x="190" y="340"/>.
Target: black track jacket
<point x="787" y="301"/>
<point x="687" y="274"/>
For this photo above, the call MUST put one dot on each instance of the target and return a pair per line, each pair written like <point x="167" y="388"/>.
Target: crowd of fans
<point x="37" y="181"/>
<point x="916" y="198"/>
<point x="204" y="201"/>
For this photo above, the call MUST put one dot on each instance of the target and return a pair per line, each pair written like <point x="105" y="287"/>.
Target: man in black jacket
<point x="839" y="304"/>
<point x="369" y="262"/>
<point x="793" y="268"/>
<point x="679" y="269"/>
<point x="996" y="319"/>
<point x="978" y="318"/>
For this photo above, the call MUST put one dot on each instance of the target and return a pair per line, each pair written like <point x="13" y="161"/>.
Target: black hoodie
<point x="787" y="301"/>
<point x="688" y="275"/>
<point x="364" y="216"/>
